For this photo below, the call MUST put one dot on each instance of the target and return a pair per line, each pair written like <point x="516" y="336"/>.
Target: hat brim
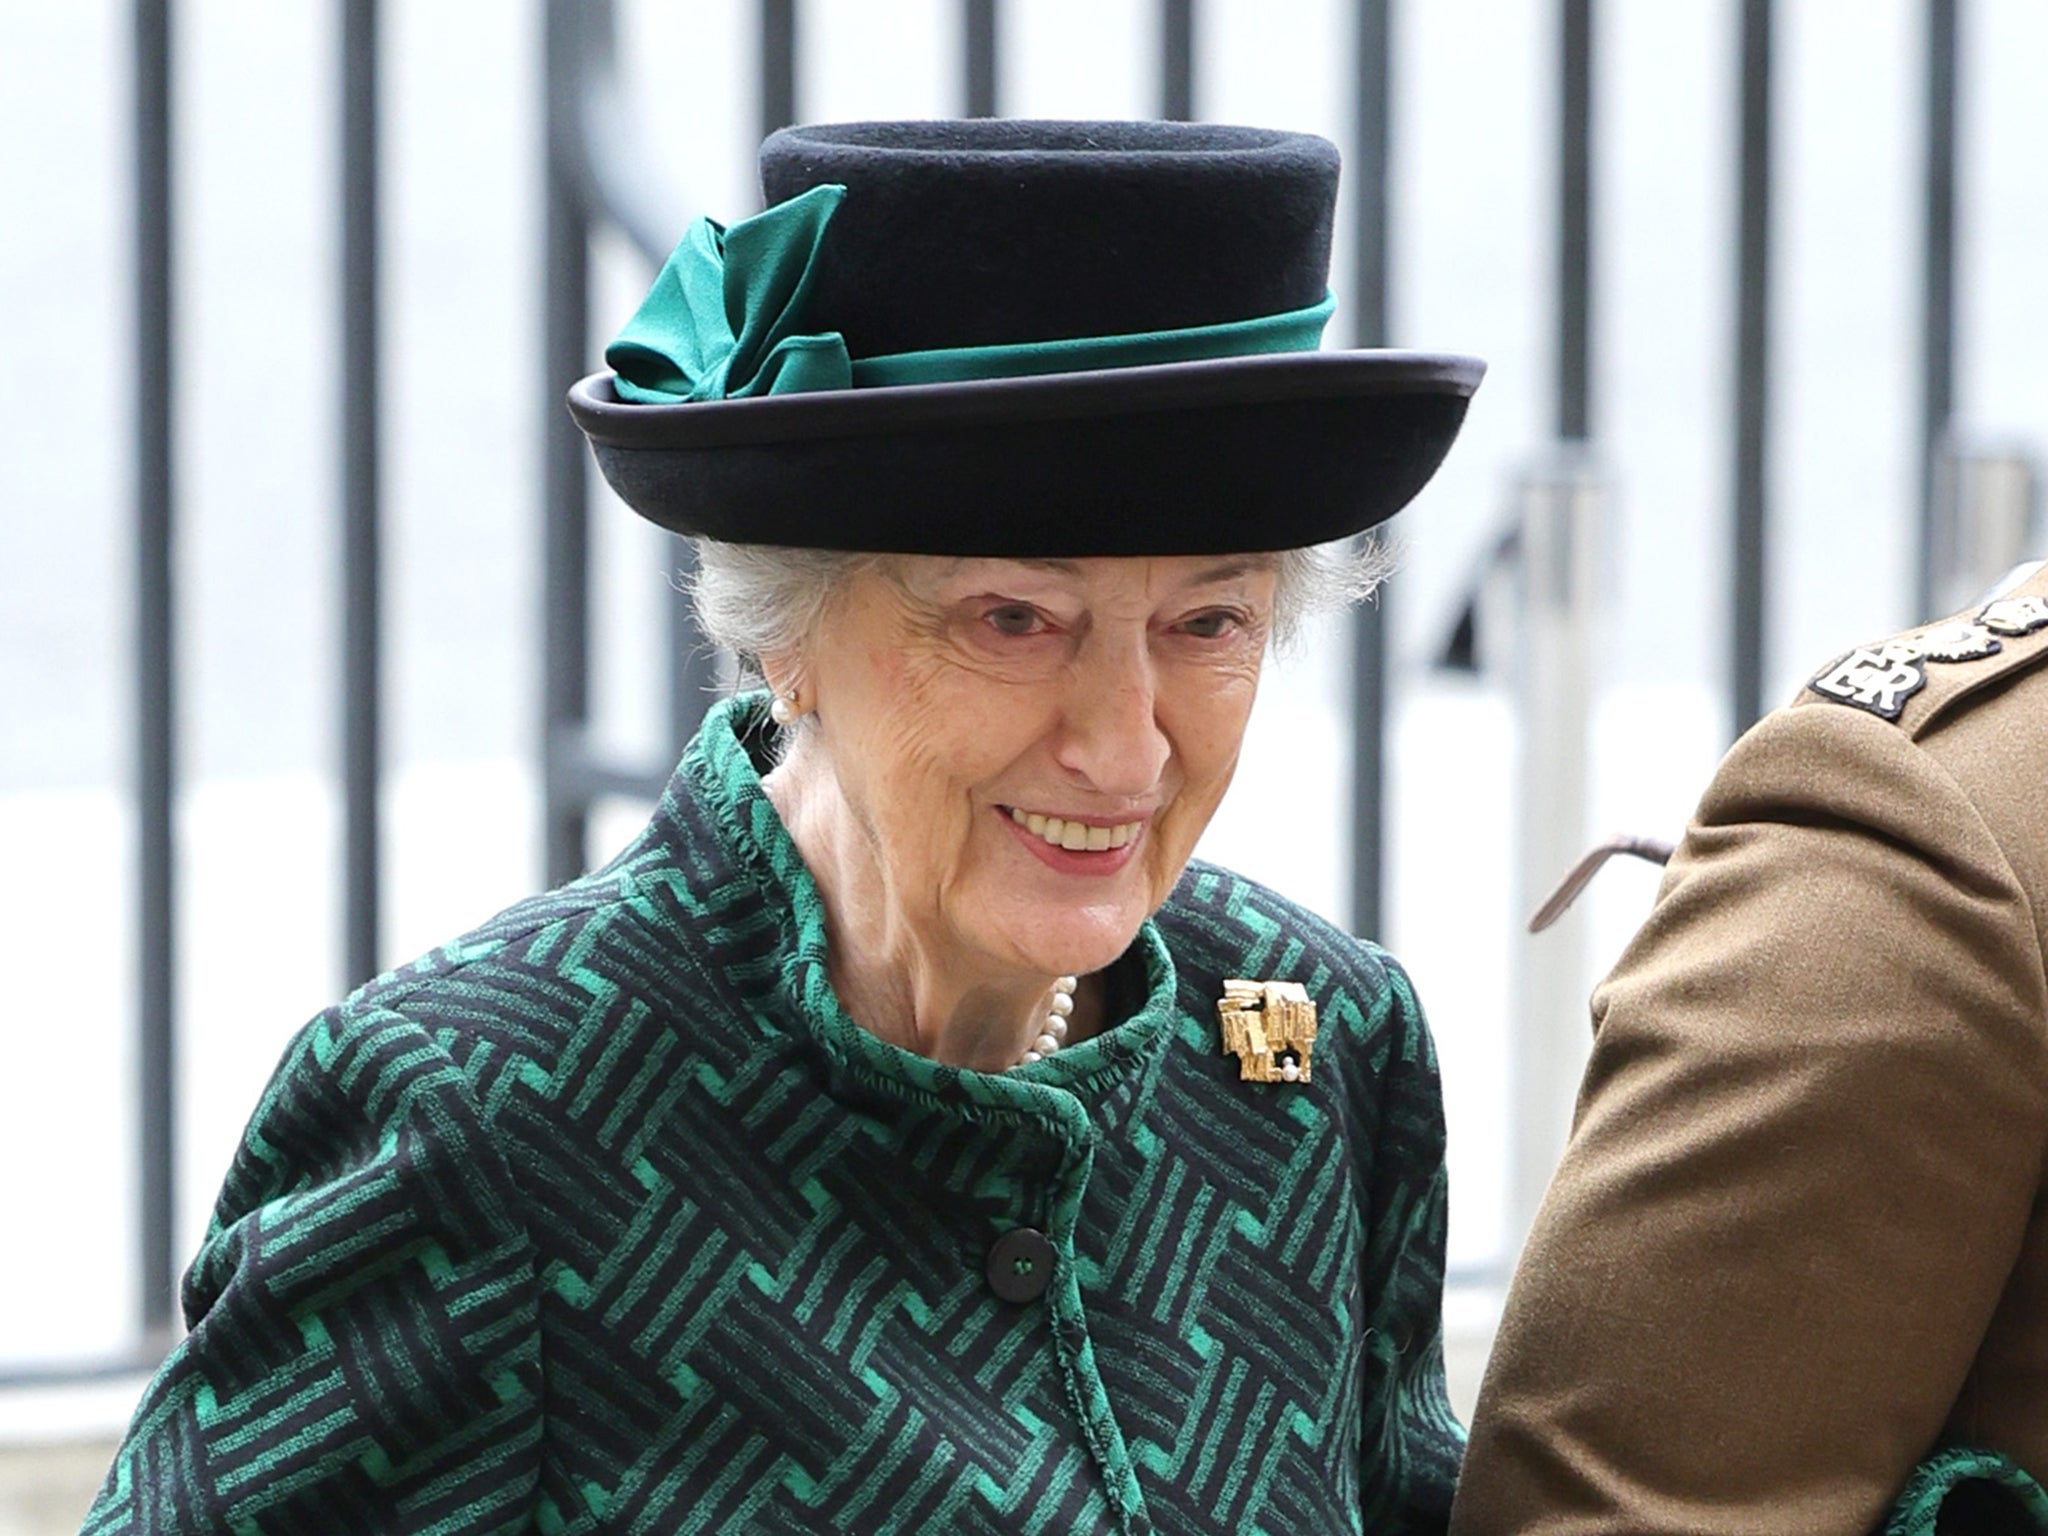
<point x="1212" y="457"/>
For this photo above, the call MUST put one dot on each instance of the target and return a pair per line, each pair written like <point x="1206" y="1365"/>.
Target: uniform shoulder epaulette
<point x="1910" y="677"/>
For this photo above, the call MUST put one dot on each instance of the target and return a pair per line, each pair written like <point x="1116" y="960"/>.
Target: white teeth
<point x="1075" y="835"/>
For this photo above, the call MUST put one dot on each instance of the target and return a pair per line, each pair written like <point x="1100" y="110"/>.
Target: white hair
<point x="759" y="600"/>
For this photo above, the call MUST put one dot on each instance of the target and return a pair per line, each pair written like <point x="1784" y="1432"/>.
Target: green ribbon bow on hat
<point x="721" y="322"/>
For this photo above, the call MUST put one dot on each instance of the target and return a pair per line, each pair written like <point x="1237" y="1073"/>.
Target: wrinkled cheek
<point x="1208" y="761"/>
<point x="1172" y="844"/>
<point x="1182" y="825"/>
<point x="926" y="812"/>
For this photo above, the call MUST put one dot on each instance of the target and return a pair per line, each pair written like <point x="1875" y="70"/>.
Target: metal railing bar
<point x="604" y="152"/>
<point x="587" y="776"/>
<point x="598" y="168"/>
<point x="1748" y="569"/>
<point x="778" y="65"/>
<point x="1937" y="291"/>
<point x="1370" y="171"/>
<point x="1177" y="60"/>
<point x="1574" y="222"/>
<point x="1370" y="168"/>
<point x="361" y="605"/>
<point x="565" y="534"/>
<point x="692" y="664"/>
<point x="978" y="40"/>
<point x="156" y="699"/>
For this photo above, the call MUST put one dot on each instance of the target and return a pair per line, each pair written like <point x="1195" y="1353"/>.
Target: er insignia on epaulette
<point x="1879" y="680"/>
<point x="2015" y="616"/>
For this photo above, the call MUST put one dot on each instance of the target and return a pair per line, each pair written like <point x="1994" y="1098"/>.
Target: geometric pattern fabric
<point x="606" y="1218"/>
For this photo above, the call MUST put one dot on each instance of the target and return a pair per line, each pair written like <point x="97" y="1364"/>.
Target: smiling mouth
<point x="1076" y="836"/>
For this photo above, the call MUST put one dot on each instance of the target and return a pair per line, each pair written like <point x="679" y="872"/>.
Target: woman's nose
<point x="1111" y="737"/>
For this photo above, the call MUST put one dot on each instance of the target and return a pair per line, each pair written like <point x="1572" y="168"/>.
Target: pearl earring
<point x="783" y="710"/>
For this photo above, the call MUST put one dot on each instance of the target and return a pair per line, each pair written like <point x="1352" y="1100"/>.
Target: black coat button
<point x="1020" y="1265"/>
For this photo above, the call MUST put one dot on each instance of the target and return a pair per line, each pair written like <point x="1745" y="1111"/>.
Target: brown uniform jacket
<point x="1799" y="1239"/>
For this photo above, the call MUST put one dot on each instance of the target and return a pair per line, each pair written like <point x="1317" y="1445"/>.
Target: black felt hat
<point x="1018" y="338"/>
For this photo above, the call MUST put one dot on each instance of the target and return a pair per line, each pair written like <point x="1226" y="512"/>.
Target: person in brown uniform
<point x="1792" y="1272"/>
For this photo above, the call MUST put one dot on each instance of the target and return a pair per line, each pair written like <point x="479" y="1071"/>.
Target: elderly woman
<point x="902" y="1134"/>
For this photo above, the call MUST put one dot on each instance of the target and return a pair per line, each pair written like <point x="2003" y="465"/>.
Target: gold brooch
<point x="1272" y="1027"/>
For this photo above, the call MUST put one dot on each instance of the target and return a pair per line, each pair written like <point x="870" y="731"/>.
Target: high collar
<point x="720" y="776"/>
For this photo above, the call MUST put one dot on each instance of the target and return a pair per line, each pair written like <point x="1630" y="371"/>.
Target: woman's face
<point x="1027" y="750"/>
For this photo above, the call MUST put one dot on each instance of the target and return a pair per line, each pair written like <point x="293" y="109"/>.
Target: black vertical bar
<point x="1370" y="171"/>
<point x="1752" y="370"/>
<point x="692" y="672"/>
<point x="1370" y="160"/>
<point x="778" y="65"/>
<point x="361" y="593"/>
<point x="155" y="711"/>
<point x="1574" y="222"/>
<point x="565" y="537"/>
<point x="1177" y="60"/>
<point x="692" y="669"/>
<point x="692" y="675"/>
<point x="978" y="27"/>
<point x="1938" y="295"/>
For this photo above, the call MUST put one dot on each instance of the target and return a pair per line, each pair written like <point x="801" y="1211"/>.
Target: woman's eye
<point x="1014" y="619"/>
<point x="1213" y="625"/>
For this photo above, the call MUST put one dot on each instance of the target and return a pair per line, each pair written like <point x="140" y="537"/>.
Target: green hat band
<point x="721" y="323"/>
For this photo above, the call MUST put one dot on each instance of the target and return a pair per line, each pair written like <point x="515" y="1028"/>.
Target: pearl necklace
<point x="1054" y="1032"/>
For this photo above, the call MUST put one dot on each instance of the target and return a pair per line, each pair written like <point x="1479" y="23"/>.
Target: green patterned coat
<point x="607" y="1218"/>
